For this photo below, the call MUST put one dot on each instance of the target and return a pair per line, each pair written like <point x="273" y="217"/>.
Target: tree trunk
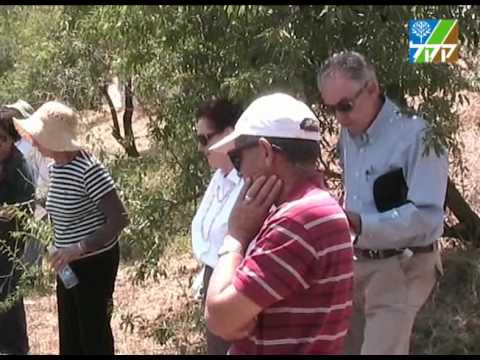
<point x="116" y="128"/>
<point x="130" y="146"/>
<point x="128" y="141"/>
<point x="468" y="227"/>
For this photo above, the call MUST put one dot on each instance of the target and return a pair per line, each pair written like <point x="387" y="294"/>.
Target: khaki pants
<point x="388" y="295"/>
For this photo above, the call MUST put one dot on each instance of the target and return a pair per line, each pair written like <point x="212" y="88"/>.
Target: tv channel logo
<point x="433" y="41"/>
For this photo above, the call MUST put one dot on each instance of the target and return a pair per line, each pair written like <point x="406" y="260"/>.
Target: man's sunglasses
<point x="346" y="105"/>
<point x="235" y="155"/>
<point x="204" y="139"/>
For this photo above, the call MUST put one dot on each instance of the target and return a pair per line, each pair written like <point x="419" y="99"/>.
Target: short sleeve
<point x="278" y="264"/>
<point x="98" y="182"/>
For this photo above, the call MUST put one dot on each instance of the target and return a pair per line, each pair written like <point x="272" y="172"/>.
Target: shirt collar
<point x="232" y="176"/>
<point x="300" y="190"/>
<point x="384" y="117"/>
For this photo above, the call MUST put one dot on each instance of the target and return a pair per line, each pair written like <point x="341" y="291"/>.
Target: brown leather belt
<point x="382" y="254"/>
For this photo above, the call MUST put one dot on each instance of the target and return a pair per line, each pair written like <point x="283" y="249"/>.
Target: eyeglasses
<point x="346" y="105"/>
<point x="204" y="139"/>
<point x="235" y="155"/>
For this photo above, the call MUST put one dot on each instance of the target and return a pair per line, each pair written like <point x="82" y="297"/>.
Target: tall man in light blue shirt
<point x="394" y="197"/>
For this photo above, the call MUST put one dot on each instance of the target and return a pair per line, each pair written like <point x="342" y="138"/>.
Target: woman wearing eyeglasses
<point x="16" y="188"/>
<point x="215" y="119"/>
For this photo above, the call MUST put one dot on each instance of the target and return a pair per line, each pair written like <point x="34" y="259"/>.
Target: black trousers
<point x="13" y="323"/>
<point x="85" y="311"/>
<point x="215" y="344"/>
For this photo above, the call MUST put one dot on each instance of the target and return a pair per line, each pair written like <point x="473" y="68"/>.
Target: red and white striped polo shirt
<point x="299" y="269"/>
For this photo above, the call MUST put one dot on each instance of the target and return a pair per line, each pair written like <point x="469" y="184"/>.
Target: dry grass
<point x="448" y="323"/>
<point x="146" y="316"/>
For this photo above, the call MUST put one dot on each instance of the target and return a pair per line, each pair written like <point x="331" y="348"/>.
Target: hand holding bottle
<point x="64" y="271"/>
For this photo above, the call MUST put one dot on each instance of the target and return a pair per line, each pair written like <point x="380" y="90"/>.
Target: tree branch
<point x="130" y="146"/>
<point x="116" y="127"/>
<point x="469" y="222"/>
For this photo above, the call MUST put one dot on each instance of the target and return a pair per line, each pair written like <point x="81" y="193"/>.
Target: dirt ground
<point x="146" y="305"/>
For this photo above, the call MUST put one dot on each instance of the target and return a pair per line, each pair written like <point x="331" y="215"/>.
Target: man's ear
<point x="267" y="151"/>
<point x="373" y="87"/>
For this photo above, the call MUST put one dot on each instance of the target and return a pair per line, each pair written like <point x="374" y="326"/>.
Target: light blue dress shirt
<point x="394" y="141"/>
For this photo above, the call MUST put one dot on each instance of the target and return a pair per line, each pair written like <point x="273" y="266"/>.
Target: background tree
<point x="175" y="57"/>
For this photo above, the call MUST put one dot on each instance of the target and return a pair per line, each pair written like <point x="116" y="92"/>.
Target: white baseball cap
<point x="277" y="115"/>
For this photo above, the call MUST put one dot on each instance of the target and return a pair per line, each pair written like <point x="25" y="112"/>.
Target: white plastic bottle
<point x="67" y="275"/>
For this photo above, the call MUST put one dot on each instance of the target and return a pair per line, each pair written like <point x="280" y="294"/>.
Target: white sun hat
<point x="277" y="115"/>
<point x="54" y="126"/>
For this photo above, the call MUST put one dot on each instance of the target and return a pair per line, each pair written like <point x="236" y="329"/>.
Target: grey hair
<point x="349" y="63"/>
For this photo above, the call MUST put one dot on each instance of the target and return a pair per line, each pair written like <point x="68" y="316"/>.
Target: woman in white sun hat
<point x="87" y="216"/>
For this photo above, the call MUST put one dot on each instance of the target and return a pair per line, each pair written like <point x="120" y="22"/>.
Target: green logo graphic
<point x="433" y="41"/>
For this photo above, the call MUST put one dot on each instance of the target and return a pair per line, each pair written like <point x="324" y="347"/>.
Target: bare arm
<point x="229" y="313"/>
<point x="117" y="219"/>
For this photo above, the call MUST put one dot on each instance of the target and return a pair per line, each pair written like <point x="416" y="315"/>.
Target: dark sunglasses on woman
<point x="204" y="139"/>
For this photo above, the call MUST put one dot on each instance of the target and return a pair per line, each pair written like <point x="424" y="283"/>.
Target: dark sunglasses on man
<point x="235" y="155"/>
<point x="346" y="105"/>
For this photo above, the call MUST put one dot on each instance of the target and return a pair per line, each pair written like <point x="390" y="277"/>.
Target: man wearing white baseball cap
<point x="283" y="283"/>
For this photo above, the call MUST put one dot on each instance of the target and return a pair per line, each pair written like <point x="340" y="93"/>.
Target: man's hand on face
<point x="252" y="208"/>
<point x="355" y="221"/>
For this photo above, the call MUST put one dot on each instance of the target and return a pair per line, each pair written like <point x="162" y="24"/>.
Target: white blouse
<point x="40" y="165"/>
<point x="210" y="223"/>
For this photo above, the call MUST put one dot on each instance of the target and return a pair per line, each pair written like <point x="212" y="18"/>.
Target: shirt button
<point x="355" y="197"/>
<point x="362" y="150"/>
<point x="357" y="174"/>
